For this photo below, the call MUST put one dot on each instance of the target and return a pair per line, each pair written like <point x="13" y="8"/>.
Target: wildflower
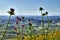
<point x="41" y="9"/>
<point x="19" y="19"/>
<point x="46" y="13"/>
<point x="30" y="28"/>
<point x="23" y="25"/>
<point x="11" y="12"/>
<point x="30" y="24"/>
<point x="37" y="35"/>
<point x="15" y="28"/>
<point x="16" y="22"/>
<point x="43" y="14"/>
<point x="22" y="17"/>
<point x="11" y="9"/>
<point x="52" y="34"/>
<point x="22" y="37"/>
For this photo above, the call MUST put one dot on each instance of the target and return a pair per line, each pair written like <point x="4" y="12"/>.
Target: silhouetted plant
<point x="22" y="17"/>
<point x="18" y="19"/>
<point x="11" y="12"/>
<point x="43" y="14"/>
<point x="47" y="23"/>
<point x="41" y="9"/>
<point x="47" y="18"/>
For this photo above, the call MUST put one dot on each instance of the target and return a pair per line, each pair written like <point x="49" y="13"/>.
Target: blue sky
<point x="30" y="7"/>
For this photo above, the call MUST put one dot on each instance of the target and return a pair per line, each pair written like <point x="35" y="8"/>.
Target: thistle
<point x="11" y="12"/>
<point x="41" y="9"/>
<point x="19" y="19"/>
<point x="22" y="17"/>
<point x="16" y="22"/>
<point x="46" y="13"/>
<point x="30" y="24"/>
<point x="23" y="25"/>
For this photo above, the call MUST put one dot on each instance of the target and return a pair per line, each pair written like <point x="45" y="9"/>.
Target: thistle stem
<point x="6" y="28"/>
<point x="43" y="23"/>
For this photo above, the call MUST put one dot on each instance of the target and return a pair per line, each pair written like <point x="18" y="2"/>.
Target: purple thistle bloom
<point x="23" y="25"/>
<point x="15" y="28"/>
<point x="16" y="22"/>
<point x="22" y="17"/>
<point x="11" y="12"/>
<point x="11" y="9"/>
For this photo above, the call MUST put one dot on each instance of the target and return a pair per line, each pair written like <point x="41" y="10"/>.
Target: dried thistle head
<point x="23" y="25"/>
<point x="41" y="9"/>
<point x="46" y="13"/>
<point x="22" y="17"/>
<point x="43" y="14"/>
<point x="11" y="12"/>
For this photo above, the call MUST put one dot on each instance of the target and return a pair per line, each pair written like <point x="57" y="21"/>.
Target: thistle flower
<point x="41" y="9"/>
<point x="37" y="35"/>
<point x="43" y="14"/>
<point x="29" y="28"/>
<point x="16" y="22"/>
<point x="52" y="34"/>
<point x="15" y="28"/>
<point x="46" y="13"/>
<point x="22" y="17"/>
<point x="23" y="25"/>
<point x="19" y="19"/>
<point x="11" y="9"/>
<point x="30" y="24"/>
<point x="11" y="12"/>
<point x="22" y="37"/>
